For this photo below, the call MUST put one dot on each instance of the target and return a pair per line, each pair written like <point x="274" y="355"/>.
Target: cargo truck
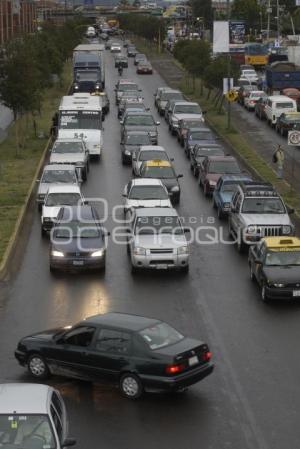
<point x="282" y="75"/>
<point x="90" y="57"/>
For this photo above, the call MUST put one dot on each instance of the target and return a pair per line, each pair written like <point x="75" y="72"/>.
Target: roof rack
<point x="257" y="188"/>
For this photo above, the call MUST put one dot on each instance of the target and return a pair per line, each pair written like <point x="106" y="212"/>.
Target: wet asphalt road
<point x="251" y="401"/>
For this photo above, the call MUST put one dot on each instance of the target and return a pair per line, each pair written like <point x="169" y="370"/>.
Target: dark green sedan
<point x="287" y="121"/>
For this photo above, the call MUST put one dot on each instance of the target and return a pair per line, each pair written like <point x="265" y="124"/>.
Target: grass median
<point x="17" y="168"/>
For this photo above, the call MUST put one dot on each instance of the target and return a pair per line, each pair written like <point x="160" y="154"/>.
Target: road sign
<point x="294" y="138"/>
<point x="231" y="95"/>
<point x="227" y="85"/>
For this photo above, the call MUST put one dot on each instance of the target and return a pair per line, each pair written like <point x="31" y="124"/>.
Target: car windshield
<point x="200" y="135"/>
<point x="292" y="118"/>
<point x="249" y="73"/>
<point x="171" y="96"/>
<point x="68" y="147"/>
<point x="87" y="76"/>
<point x="130" y="86"/>
<point x="187" y="109"/>
<point x="139" y="120"/>
<point x="224" y="167"/>
<point x="191" y="123"/>
<point x="77" y="229"/>
<point x="230" y="186"/>
<point x="284" y="105"/>
<point x="148" y="193"/>
<point x="53" y="176"/>
<point x="62" y="199"/>
<point x="140" y="56"/>
<point x="80" y="120"/>
<point x="286" y="257"/>
<point x="263" y="206"/>
<point x="129" y="94"/>
<point x="202" y="152"/>
<point x="138" y="139"/>
<point x="160" y="336"/>
<point x="158" y="225"/>
<point x="151" y="155"/>
<point x="158" y="172"/>
<point x="256" y="94"/>
<point x="26" y="432"/>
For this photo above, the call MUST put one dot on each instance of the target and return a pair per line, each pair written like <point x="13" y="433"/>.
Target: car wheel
<point x="195" y="171"/>
<point x="263" y="293"/>
<point x="229" y="229"/>
<point x="123" y="160"/>
<point x="84" y="174"/>
<point x="240" y="245"/>
<point x="181" y="142"/>
<point x="205" y="190"/>
<point x="251" y="273"/>
<point x="38" y="367"/>
<point x="131" y="386"/>
<point x="185" y="269"/>
<point x="40" y="207"/>
<point x="52" y="269"/>
<point x="43" y="232"/>
<point x="220" y="213"/>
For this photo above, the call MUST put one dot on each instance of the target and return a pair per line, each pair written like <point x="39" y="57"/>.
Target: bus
<point x="256" y="54"/>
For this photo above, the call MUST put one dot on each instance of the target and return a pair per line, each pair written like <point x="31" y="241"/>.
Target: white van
<point x="80" y="117"/>
<point x="276" y="105"/>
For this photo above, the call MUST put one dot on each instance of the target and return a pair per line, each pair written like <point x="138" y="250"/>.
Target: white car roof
<point x="190" y="103"/>
<point x="69" y="167"/>
<point x="156" y="212"/>
<point x="146" y="182"/>
<point x="68" y="139"/>
<point x="279" y="98"/>
<point x="24" y="398"/>
<point x="151" y="148"/>
<point x="66" y="188"/>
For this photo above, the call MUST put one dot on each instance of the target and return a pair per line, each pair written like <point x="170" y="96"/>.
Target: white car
<point x="182" y="110"/>
<point x="58" y="196"/>
<point x="71" y="151"/>
<point x="145" y="192"/>
<point x="251" y="100"/>
<point x="32" y="416"/>
<point x="148" y="153"/>
<point x="115" y="47"/>
<point x="249" y="74"/>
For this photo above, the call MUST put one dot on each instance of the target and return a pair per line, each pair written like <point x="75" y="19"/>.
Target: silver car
<point x="55" y="174"/>
<point x="156" y="240"/>
<point x="148" y="153"/>
<point x="32" y="416"/>
<point x="71" y="151"/>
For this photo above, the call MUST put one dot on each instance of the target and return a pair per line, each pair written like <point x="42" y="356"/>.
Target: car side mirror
<point x="157" y="123"/>
<point x="172" y="159"/>
<point x="179" y="176"/>
<point x="133" y="157"/>
<point x="290" y="210"/>
<point x="258" y="262"/>
<point x="69" y="442"/>
<point x="37" y="180"/>
<point x="204" y="112"/>
<point x="121" y="122"/>
<point x="125" y="195"/>
<point x="186" y="230"/>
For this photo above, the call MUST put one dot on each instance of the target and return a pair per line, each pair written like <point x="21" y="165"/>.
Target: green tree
<point x="203" y="8"/>
<point x="247" y="10"/>
<point x="218" y="69"/>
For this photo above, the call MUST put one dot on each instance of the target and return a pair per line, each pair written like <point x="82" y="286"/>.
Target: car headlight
<point x="76" y="87"/>
<point x="286" y="230"/>
<point x="251" y="229"/>
<point x="278" y="285"/>
<point x="127" y="152"/>
<point x="55" y="253"/>
<point x="97" y="86"/>
<point x="175" y="189"/>
<point x="182" y="250"/>
<point x="98" y="253"/>
<point x="139" y="251"/>
<point x="153" y="133"/>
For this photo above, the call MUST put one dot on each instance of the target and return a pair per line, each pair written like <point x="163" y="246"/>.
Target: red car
<point x="144" y="67"/>
<point x="212" y="168"/>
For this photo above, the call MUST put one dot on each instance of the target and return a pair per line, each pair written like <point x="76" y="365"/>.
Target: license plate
<point x="193" y="360"/>
<point x="162" y="267"/>
<point x="78" y="262"/>
<point x="296" y="293"/>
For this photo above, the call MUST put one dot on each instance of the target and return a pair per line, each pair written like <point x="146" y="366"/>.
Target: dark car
<point x="87" y="81"/>
<point x="224" y="191"/>
<point x="77" y="240"/>
<point x="164" y="171"/>
<point x="184" y="125"/>
<point x="129" y="107"/>
<point x="121" y="60"/>
<point x="199" y="153"/>
<point x="124" y="85"/>
<point x="141" y="121"/>
<point x="245" y="91"/>
<point x="204" y="136"/>
<point x="131" y="142"/>
<point x="136" y="352"/>
<point x="274" y="262"/>
<point x="165" y="96"/>
<point x="287" y="121"/>
<point x="259" y="108"/>
<point x="129" y="96"/>
<point x="195" y="136"/>
<point x="212" y="168"/>
<point x="131" y="51"/>
<point x="144" y="67"/>
<point x="139" y="57"/>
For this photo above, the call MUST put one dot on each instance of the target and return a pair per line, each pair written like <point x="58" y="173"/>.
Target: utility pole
<point x="269" y="10"/>
<point x="228" y="71"/>
<point x="278" y="19"/>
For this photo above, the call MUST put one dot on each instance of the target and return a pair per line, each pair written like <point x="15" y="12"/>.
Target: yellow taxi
<point x="274" y="262"/>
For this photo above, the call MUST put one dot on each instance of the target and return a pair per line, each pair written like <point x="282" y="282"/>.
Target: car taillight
<point x="251" y="101"/>
<point x="175" y="369"/>
<point x="184" y="131"/>
<point x="206" y="356"/>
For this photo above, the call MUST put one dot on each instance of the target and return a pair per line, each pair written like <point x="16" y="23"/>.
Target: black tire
<point x="206" y="192"/>
<point x="251" y="273"/>
<point x="84" y="174"/>
<point x="220" y="213"/>
<point x="263" y="295"/>
<point x="185" y="269"/>
<point x="52" y="269"/>
<point x="131" y="386"/>
<point x="214" y="204"/>
<point x="43" y="232"/>
<point x="40" y="207"/>
<point x="37" y="366"/>
<point x="240" y="245"/>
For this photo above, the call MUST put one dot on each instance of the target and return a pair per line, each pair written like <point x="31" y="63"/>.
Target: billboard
<point x="15" y="6"/>
<point x="221" y="37"/>
<point x="237" y="31"/>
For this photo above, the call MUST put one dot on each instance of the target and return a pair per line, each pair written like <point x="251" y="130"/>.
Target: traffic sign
<point x="231" y="95"/>
<point x="294" y="138"/>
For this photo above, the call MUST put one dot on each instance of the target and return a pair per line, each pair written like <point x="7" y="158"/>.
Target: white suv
<point x="32" y="416"/>
<point x="145" y="192"/>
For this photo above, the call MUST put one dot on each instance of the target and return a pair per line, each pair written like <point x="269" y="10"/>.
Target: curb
<point x="9" y="252"/>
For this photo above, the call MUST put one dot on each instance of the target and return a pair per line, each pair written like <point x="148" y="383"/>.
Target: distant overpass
<point x="93" y="13"/>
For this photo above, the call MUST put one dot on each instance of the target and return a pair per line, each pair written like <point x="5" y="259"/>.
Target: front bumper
<point x="77" y="263"/>
<point x="283" y="293"/>
<point x="21" y="357"/>
<point x="177" y="382"/>
<point x="174" y="196"/>
<point x="127" y="158"/>
<point x="47" y="225"/>
<point x="160" y="261"/>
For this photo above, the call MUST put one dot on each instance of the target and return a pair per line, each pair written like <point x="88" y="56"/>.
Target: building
<point x="17" y="17"/>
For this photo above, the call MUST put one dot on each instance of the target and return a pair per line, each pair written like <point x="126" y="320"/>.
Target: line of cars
<point x="257" y="215"/>
<point x="137" y="353"/>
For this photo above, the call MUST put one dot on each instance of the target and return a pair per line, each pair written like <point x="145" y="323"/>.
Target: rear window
<point x="284" y="105"/>
<point x="160" y="336"/>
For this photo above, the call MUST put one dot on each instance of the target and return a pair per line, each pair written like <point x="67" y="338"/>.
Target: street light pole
<point x="228" y="71"/>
